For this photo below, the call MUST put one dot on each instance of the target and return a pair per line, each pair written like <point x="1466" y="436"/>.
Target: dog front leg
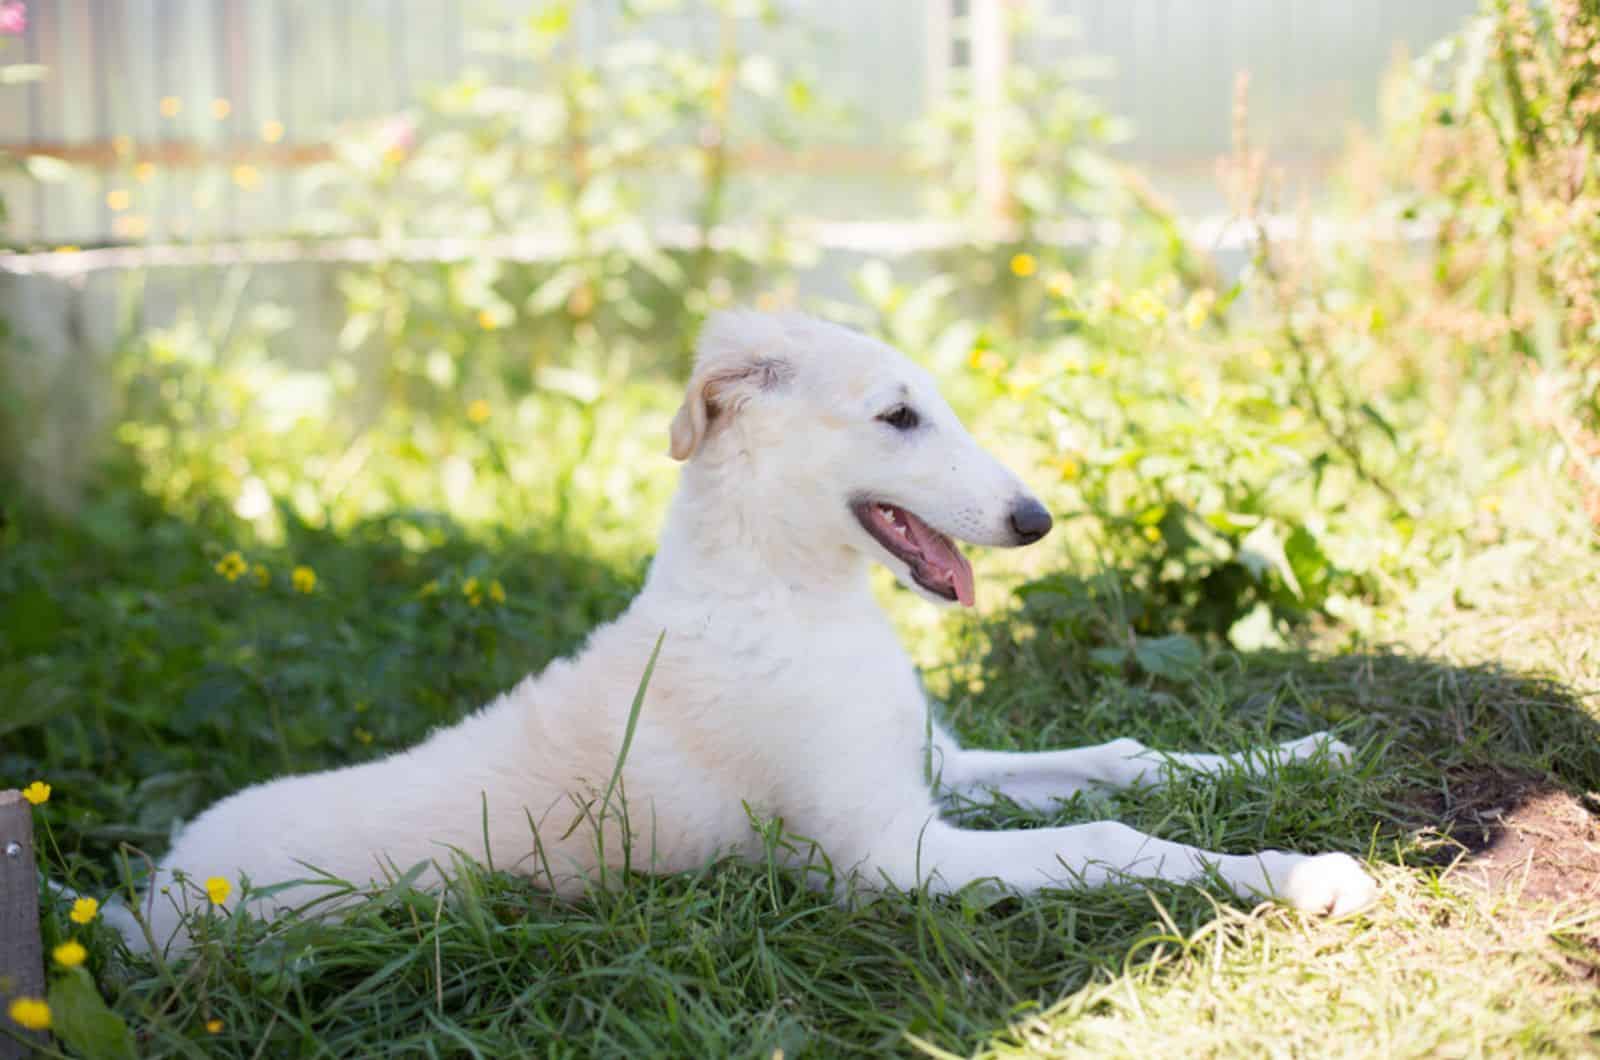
<point x="948" y="858"/>
<point x="1035" y="780"/>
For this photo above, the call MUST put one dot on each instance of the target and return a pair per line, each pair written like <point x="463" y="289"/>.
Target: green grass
<point x="143" y="685"/>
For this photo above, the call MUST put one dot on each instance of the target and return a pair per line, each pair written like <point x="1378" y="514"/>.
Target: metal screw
<point x="13" y="849"/>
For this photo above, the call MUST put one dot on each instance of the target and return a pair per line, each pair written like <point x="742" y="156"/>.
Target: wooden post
<point x="991" y="55"/>
<point x="21" y="951"/>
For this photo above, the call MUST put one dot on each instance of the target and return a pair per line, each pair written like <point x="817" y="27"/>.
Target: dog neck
<point x="724" y="540"/>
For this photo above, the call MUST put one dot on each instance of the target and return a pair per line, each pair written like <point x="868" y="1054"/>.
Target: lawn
<point x="1354" y="487"/>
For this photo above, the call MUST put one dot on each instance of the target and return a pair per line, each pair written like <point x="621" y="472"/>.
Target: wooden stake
<point x="991" y="48"/>
<point x="21" y="951"/>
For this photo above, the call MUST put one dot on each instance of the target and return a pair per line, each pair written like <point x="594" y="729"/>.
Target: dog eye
<point x="901" y="418"/>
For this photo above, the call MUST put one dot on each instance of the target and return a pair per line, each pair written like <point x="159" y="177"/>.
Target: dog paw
<point x="1330" y="884"/>
<point x="1317" y="744"/>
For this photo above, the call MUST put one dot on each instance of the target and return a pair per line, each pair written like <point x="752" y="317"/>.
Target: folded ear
<point x="738" y="359"/>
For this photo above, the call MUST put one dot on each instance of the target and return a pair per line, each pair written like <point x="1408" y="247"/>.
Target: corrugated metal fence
<point x="194" y="119"/>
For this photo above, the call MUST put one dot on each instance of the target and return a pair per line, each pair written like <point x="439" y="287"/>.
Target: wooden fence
<point x="195" y="119"/>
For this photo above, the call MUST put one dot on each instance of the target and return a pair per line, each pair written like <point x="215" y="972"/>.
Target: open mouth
<point x="935" y="562"/>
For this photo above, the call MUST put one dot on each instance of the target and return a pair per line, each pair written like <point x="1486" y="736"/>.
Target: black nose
<point x="1029" y="521"/>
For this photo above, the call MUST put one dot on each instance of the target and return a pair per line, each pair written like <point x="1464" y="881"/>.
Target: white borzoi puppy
<point x="811" y="451"/>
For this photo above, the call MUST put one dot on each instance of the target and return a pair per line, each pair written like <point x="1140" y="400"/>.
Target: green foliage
<point x="1491" y="139"/>
<point x="576" y="164"/>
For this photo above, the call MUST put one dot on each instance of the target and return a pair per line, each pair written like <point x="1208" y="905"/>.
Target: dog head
<point x="845" y="442"/>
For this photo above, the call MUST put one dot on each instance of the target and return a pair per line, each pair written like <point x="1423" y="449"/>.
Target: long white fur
<point x="780" y="686"/>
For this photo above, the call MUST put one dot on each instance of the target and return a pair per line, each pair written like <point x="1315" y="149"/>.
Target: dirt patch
<point x="1523" y="836"/>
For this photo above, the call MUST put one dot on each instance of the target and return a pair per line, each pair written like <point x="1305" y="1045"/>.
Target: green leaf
<point x="81" y="1019"/>
<point x="1174" y="657"/>
<point x="1111" y="660"/>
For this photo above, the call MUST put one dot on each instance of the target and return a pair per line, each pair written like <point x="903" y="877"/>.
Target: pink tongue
<point x="943" y="556"/>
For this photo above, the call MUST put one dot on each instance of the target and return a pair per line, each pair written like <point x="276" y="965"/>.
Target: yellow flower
<point x="69" y="954"/>
<point x="1061" y="285"/>
<point x="1071" y="470"/>
<point x="1491" y="504"/>
<point x="472" y="589"/>
<point x="487" y="320"/>
<point x="304" y="579"/>
<point x="118" y="199"/>
<point x="37" y="793"/>
<point x="68" y="248"/>
<point x="1147" y="307"/>
<point x="144" y="171"/>
<point x="231" y="566"/>
<point x="30" y="1013"/>
<point x="221" y="108"/>
<point x="986" y="361"/>
<point x="497" y="592"/>
<point x="263" y="575"/>
<point x="170" y="106"/>
<point x="478" y="411"/>
<point x="1024" y="265"/>
<point x="214" y="1026"/>
<point x="246" y="176"/>
<point x="84" y="910"/>
<point x="1152" y="533"/>
<point x="1198" y="308"/>
<point x="428" y="589"/>
<point x="362" y="735"/>
<point x="272" y="131"/>
<point x="218" y="889"/>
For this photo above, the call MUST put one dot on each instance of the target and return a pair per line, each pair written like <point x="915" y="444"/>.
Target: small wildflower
<point x="497" y="592"/>
<point x="1061" y="285"/>
<point x="84" y="910"/>
<point x="232" y="566"/>
<point x="272" y="130"/>
<point x="478" y="411"/>
<point x="171" y="106"/>
<point x="68" y="248"/>
<point x="131" y="226"/>
<point x="1152" y="533"/>
<point x="144" y="171"/>
<point x="30" y="1013"/>
<point x="214" y="1026"/>
<point x="118" y="199"/>
<point x="69" y="954"/>
<point x="487" y="320"/>
<point x="263" y="575"/>
<point x="1198" y="308"/>
<point x="1070" y="469"/>
<point x="428" y="589"/>
<point x="246" y="176"/>
<point x="218" y="889"/>
<point x="1146" y="307"/>
<point x="304" y="579"/>
<point x="472" y="589"/>
<point x="37" y="793"/>
<point x="986" y="361"/>
<point x="1024" y="265"/>
<point x="221" y="108"/>
<point x="362" y="735"/>
<point x="1491" y="504"/>
<point x="13" y="18"/>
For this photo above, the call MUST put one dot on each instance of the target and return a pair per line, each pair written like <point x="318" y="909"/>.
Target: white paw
<point x="1318" y="743"/>
<point x="1334" y="884"/>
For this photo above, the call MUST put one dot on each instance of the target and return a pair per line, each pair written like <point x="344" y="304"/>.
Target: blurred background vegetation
<point x="1267" y="414"/>
<point x="338" y="345"/>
